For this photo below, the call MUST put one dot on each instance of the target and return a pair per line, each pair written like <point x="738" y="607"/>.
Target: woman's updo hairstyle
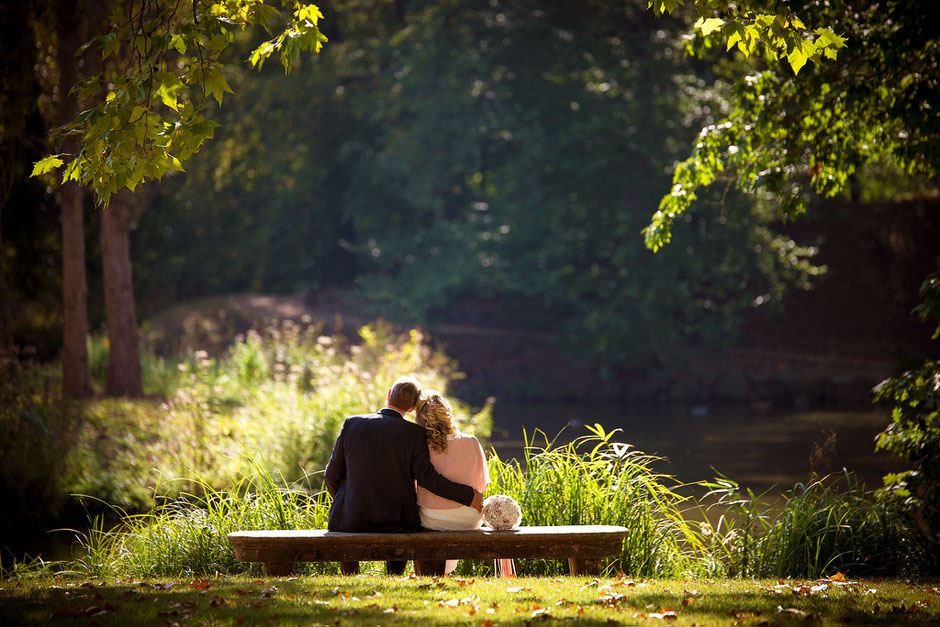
<point x="434" y="413"/>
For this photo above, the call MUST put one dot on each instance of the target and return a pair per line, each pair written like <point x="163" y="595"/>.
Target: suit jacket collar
<point x="388" y="411"/>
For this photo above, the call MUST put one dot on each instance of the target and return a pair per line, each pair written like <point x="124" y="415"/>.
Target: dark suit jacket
<point x="371" y="475"/>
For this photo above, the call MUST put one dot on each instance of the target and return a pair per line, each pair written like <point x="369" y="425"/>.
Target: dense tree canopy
<point x="793" y="136"/>
<point x="497" y="157"/>
<point x="496" y="162"/>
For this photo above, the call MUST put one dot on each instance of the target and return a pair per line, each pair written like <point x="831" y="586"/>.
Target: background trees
<point x="488" y="163"/>
<point x="495" y="163"/>
<point x="129" y="76"/>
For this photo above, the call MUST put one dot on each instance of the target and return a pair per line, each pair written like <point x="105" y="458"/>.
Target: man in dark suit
<point x="371" y="475"/>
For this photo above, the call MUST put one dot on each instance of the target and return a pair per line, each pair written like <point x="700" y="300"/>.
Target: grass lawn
<point x="376" y="599"/>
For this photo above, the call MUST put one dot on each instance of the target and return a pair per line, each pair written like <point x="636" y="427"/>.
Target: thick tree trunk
<point x="75" y="379"/>
<point x="123" y="337"/>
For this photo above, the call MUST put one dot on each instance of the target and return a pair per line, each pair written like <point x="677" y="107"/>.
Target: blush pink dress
<point x="462" y="462"/>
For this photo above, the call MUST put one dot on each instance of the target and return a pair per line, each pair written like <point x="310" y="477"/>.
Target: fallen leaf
<point x="687" y="601"/>
<point x="790" y="610"/>
<point x="837" y="577"/>
<point x="200" y="584"/>
<point x="242" y="593"/>
<point x="218" y="601"/>
<point x="542" y="613"/>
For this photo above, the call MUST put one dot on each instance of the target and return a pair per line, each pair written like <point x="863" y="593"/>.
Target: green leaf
<point x="46" y="165"/>
<point x="797" y="59"/>
<point x="216" y="85"/>
<point x="828" y="38"/>
<point x="708" y="25"/>
<point x="177" y="42"/>
<point x="169" y="99"/>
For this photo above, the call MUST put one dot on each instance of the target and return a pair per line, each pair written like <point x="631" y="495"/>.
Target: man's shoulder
<point x="386" y="422"/>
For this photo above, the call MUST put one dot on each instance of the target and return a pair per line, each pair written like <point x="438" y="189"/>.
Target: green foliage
<point x="187" y="535"/>
<point x="788" y="136"/>
<point x="818" y="528"/>
<point x="914" y="432"/>
<point x="35" y="433"/>
<point x="594" y="480"/>
<point x="744" y="25"/>
<point x="535" y="184"/>
<point x="827" y="525"/>
<point x="283" y="391"/>
<point x="165" y="63"/>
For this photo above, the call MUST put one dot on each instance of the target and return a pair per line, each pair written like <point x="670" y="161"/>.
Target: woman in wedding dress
<point x="457" y="456"/>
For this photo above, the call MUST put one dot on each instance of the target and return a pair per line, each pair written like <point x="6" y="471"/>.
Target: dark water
<point x="758" y="449"/>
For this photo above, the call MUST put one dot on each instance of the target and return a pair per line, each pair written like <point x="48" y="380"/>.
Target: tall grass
<point x="282" y="390"/>
<point x="826" y="525"/>
<point x="593" y="480"/>
<point x="187" y="535"/>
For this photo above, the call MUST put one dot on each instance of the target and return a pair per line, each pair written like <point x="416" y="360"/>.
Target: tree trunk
<point x="75" y="379"/>
<point x="123" y="337"/>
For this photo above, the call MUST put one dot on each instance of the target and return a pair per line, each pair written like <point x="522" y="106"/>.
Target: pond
<point x="758" y="448"/>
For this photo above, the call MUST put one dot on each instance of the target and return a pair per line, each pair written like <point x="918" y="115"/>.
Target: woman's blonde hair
<point x="434" y="413"/>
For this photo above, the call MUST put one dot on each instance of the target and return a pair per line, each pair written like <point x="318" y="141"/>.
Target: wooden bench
<point x="584" y="546"/>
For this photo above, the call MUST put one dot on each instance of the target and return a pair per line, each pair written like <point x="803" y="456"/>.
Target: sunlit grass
<point x="373" y="600"/>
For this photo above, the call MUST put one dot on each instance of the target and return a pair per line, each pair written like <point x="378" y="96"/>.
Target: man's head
<point x="404" y="394"/>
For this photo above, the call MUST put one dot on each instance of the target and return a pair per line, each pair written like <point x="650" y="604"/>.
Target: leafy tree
<point x="792" y="136"/>
<point x="763" y="28"/>
<point x="167" y="67"/>
<point x="152" y="53"/>
<point x="914" y="432"/>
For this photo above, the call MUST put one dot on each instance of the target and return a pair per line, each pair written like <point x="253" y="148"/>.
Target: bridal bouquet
<point x="501" y="512"/>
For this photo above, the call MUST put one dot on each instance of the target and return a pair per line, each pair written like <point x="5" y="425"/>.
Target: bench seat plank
<point x="582" y="545"/>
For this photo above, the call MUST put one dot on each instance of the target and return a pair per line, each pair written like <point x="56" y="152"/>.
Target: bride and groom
<point x="388" y="474"/>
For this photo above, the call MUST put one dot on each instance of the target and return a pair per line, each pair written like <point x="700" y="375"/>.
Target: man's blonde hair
<point x="404" y="393"/>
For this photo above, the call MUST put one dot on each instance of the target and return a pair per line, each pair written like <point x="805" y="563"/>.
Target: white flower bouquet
<point x="501" y="512"/>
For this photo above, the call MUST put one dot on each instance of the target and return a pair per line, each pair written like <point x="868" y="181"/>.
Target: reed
<point x="187" y="535"/>
<point x="594" y="480"/>
<point x="828" y="524"/>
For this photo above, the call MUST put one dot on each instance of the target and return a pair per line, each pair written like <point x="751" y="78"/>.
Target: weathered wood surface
<point x="582" y="545"/>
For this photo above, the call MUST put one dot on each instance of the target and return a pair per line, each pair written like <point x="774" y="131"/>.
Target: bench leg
<point x="430" y="567"/>
<point x="585" y="565"/>
<point x="278" y="568"/>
